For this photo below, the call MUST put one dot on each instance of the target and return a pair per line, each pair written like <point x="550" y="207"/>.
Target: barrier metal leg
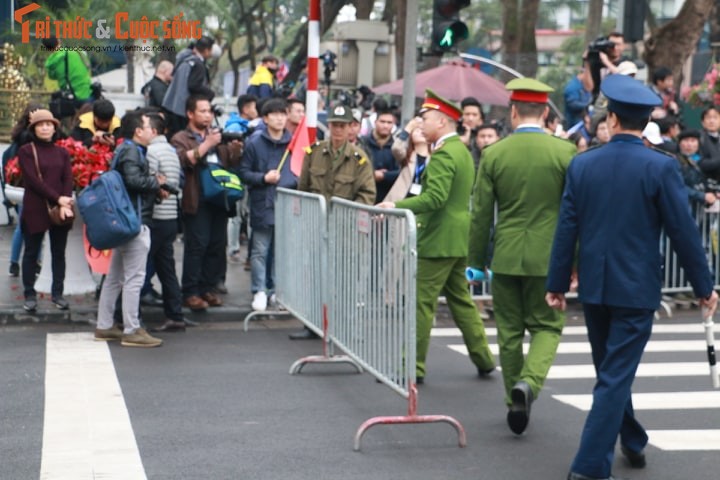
<point x="251" y="315"/>
<point x="411" y="417"/>
<point x="327" y="356"/>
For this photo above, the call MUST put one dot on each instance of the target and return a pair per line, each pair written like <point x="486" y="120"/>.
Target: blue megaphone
<point x="475" y="275"/>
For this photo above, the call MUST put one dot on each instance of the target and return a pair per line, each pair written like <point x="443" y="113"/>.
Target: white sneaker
<point x="259" y="303"/>
<point x="272" y="300"/>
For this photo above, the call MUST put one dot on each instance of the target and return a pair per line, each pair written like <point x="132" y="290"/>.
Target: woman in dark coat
<point x="55" y="188"/>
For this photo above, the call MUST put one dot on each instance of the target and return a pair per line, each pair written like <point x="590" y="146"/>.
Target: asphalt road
<point x="218" y="403"/>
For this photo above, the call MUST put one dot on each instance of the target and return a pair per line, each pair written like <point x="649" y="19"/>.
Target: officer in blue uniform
<point x="617" y="198"/>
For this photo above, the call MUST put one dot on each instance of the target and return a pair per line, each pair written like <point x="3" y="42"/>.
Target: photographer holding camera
<point x="205" y="224"/>
<point x="603" y="57"/>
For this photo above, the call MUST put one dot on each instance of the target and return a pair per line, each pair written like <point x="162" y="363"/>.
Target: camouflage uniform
<point x="346" y="173"/>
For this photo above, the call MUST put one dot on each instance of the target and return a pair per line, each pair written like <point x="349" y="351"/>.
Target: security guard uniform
<point x="346" y="172"/>
<point x="443" y="221"/>
<point x="524" y="174"/>
<point x="617" y="199"/>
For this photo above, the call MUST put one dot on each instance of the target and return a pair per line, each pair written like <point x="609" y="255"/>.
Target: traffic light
<point x="448" y="29"/>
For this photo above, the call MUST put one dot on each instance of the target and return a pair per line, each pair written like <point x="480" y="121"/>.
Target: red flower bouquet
<point x="13" y="175"/>
<point x="87" y="163"/>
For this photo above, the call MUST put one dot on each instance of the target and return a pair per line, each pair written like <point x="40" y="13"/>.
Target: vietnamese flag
<point x="298" y="147"/>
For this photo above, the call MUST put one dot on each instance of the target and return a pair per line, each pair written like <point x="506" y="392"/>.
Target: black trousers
<point x="162" y="237"/>
<point x="33" y="243"/>
<point x="204" y="255"/>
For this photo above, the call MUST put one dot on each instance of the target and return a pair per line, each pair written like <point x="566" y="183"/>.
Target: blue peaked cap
<point x="628" y="97"/>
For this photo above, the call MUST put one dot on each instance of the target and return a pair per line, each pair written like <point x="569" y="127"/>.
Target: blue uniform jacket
<point x="617" y="199"/>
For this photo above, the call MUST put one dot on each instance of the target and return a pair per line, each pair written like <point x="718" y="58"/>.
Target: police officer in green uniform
<point x="440" y="204"/>
<point x="525" y="175"/>
<point x="336" y="168"/>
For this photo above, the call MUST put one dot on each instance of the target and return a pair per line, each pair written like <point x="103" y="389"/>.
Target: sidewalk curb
<point x="88" y="315"/>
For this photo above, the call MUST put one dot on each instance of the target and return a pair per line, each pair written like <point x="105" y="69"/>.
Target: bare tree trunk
<point x="511" y="33"/>
<point x="400" y="14"/>
<point x="594" y="20"/>
<point x="130" y="59"/>
<point x="674" y="42"/>
<point x="528" y="46"/>
<point x="518" y="37"/>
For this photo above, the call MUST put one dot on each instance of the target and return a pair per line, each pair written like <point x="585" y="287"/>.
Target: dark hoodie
<point x="261" y="155"/>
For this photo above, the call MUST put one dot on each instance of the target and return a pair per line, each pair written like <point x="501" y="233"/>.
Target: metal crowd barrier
<point x="300" y="258"/>
<point x="372" y="270"/>
<point x="674" y="279"/>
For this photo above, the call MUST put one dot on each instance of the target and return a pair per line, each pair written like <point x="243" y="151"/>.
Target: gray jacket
<point x="162" y="158"/>
<point x="189" y="77"/>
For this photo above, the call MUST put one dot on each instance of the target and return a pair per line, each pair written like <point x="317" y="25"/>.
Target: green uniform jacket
<point x="441" y="210"/>
<point x="79" y="73"/>
<point x="349" y="177"/>
<point x="525" y="174"/>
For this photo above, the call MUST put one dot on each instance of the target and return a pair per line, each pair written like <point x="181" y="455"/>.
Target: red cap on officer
<point x="433" y="101"/>
<point x="528" y="90"/>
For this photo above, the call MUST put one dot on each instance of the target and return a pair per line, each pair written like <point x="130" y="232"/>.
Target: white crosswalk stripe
<point x="685" y="340"/>
<point x="87" y="433"/>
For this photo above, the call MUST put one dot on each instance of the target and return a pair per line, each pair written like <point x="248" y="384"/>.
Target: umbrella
<point x="454" y="80"/>
<point x="710" y="338"/>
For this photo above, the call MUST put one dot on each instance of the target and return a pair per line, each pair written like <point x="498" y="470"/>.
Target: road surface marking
<point x="87" y="433"/>
<point x="654" y="401"/>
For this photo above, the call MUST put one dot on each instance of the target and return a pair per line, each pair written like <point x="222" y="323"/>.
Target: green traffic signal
<point x="448" y="29"/>
<point x="454" y="33"/>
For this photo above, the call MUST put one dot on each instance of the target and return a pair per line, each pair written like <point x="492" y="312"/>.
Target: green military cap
<point x="340" y="114"/>
<point x="528" y="90"/>
<point x="433" y="101"/>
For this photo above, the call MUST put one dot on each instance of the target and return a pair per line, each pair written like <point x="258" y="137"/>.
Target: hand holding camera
<point x="213" y="138"/>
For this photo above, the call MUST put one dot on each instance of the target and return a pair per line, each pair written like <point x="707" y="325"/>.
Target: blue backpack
<point x="105" y="206"/>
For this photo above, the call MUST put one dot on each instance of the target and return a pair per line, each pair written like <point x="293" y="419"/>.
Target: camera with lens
<point x="600" y="45"/>
<point x="236" y="127"/>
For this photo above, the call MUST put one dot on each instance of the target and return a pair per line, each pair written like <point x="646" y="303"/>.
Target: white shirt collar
<point x="440" y="140"/>
<point x="528" y="125"/>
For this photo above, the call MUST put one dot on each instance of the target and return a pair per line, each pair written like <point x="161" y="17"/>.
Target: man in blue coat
<point x="617" y="199"/>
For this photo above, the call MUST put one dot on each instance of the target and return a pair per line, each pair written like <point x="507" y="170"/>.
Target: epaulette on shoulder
<point x="359" y="157"/>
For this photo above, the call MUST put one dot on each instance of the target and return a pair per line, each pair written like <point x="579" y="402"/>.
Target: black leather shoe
<point x="149" y="300"/>
<point x="170" y="326"/>
<point x="519" y="414"/>
<point x="304" y="334"/>
<point x="635" y="459"/>
<point x="485" y="372"/>
<point x="190" y="323"/>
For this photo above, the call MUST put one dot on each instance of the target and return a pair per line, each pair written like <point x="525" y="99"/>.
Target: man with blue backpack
<point x="127" y="267"/>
